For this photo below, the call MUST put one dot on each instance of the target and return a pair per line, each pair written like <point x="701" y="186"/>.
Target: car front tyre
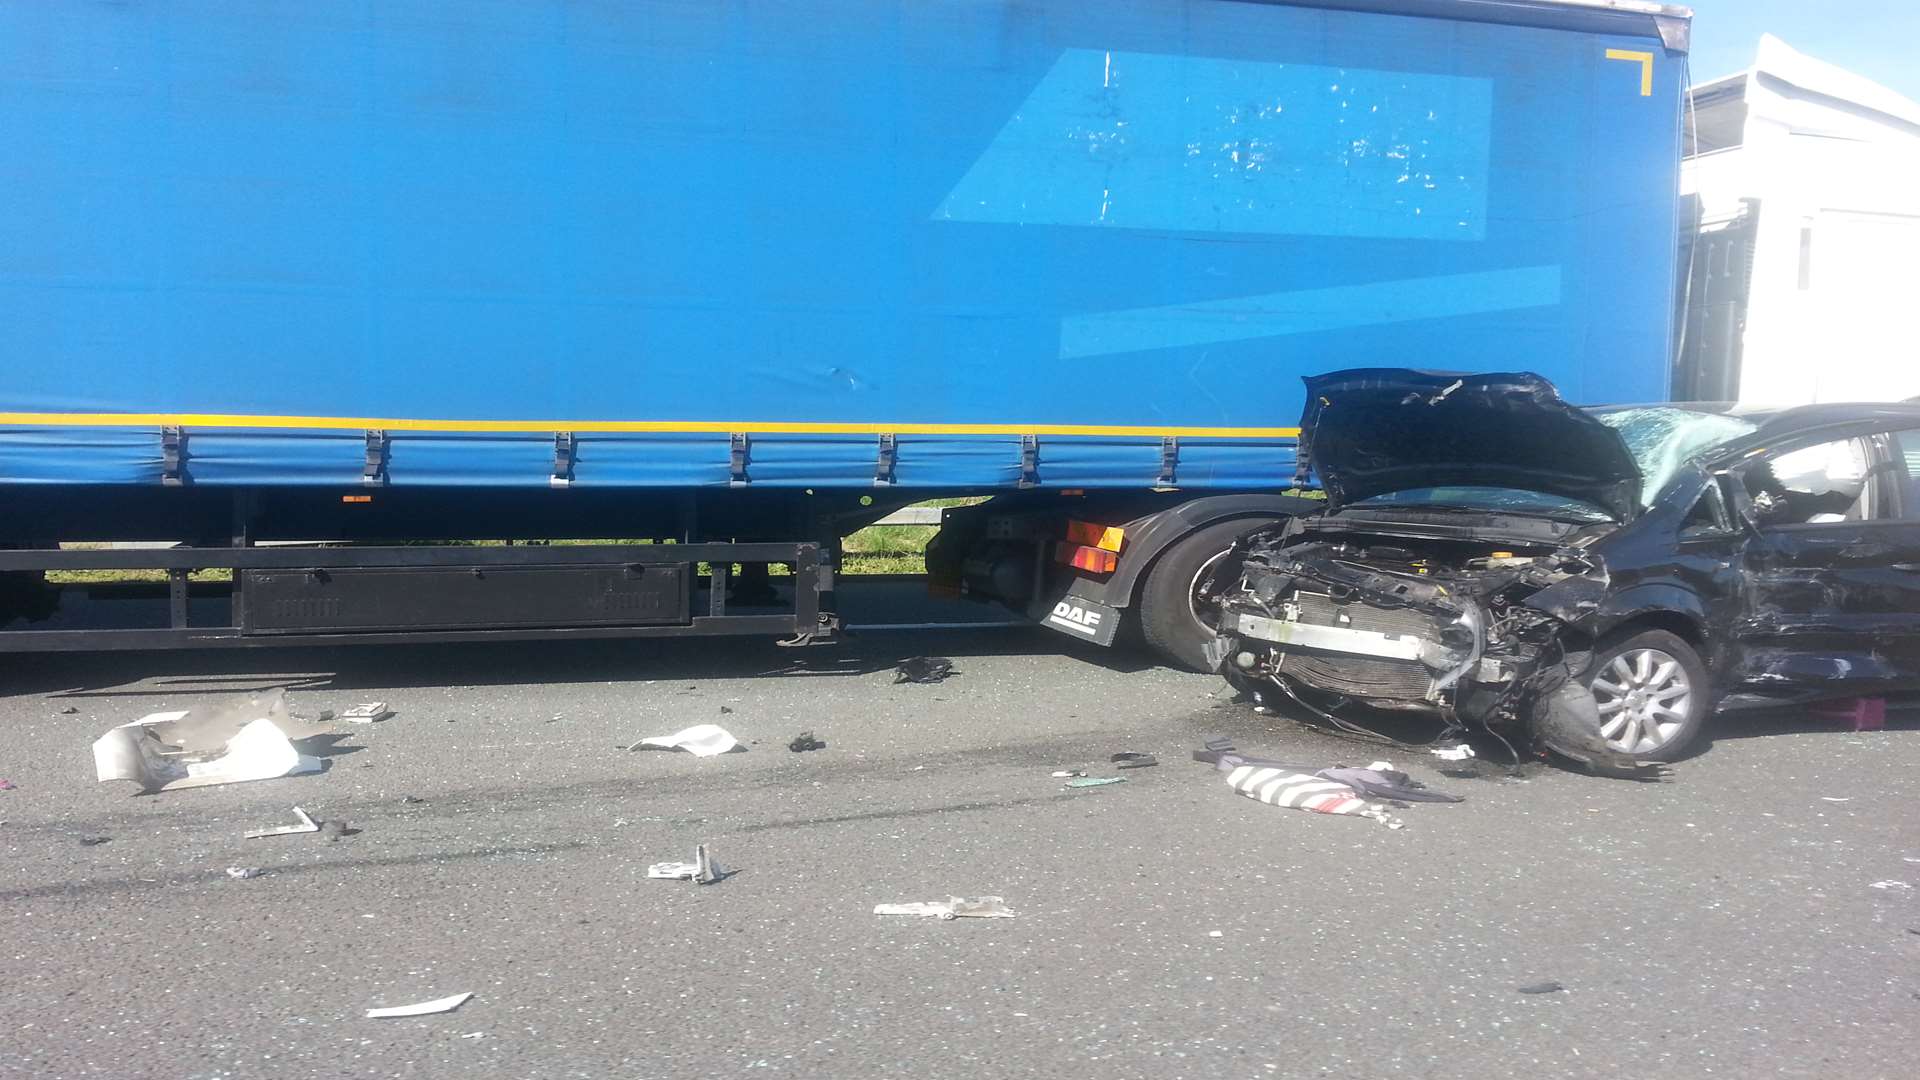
<point x="1652" y="692"/>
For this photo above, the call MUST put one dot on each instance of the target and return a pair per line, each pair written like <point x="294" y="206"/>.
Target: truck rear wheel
<point x="1176" y="623"/>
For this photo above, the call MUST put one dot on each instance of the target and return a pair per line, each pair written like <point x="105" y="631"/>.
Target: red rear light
<point x="1090" y="559"/>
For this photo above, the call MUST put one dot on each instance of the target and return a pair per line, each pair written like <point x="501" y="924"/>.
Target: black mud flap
<point x="1078" y="617"/>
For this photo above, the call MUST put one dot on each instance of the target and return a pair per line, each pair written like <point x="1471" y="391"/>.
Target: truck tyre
<point x="1651" y="688"/>
<point x="1172" y="620"/>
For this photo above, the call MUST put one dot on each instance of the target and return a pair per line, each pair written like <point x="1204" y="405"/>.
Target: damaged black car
<point x="1592" y="583"/>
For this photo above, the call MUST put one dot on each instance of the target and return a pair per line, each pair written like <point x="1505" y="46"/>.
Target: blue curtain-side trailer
<point x="746" y="277"/>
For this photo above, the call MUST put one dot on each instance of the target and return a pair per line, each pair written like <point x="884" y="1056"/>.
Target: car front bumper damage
<point x="1490" y="641"/>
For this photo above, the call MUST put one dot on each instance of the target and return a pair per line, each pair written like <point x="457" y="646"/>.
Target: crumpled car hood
<point x="1373" y="431"/>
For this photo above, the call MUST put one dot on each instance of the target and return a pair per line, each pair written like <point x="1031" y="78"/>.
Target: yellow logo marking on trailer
<point x="1644" y="59"/>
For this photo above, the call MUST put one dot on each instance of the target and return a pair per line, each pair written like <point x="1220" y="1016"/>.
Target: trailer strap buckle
<point x="374" y="472"/>
<point x="1029" y="461"/>
<point x="888" y="457"/>
<point x="565" y="451"/>
<point x="1169" y="460"/>
<point x="173" y="456"/>
<point x="740" y="453"/>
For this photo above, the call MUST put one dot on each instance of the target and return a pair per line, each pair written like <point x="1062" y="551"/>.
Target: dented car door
<point x="1832" y="584"/>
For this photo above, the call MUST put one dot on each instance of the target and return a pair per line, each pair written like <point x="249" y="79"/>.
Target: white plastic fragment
<point x="423" y="1008"/>
<point x="701" y="871"/>
<point x="953" y="907"/>
<point x="700" y="740"/>
<point x="249" y="740"/>
<point x="242" y="873"/>
<point x="307" y="825"/>
<point x="1458" y="752"/>
<point x="371" y="712"/>
<point x="1897" y="885"/>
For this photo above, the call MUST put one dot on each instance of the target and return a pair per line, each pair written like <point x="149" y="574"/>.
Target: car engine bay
<point x="1477" y="632"/>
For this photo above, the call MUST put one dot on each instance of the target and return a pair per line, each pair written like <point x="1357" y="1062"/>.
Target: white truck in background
<point x="1803" y="180"/>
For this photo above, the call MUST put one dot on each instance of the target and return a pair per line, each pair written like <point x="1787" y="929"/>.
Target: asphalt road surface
<point x="1724" y="924"/>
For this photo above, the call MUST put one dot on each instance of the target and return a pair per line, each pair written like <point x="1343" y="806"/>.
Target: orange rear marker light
<point x="1104" y="537"/>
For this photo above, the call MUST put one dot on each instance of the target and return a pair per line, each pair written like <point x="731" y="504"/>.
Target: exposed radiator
<point x="1360" y="676"/>
<point x="1320" y="610"/>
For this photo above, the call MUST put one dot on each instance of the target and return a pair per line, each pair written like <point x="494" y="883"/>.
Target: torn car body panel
<point x="1491" y="598"/>
<point x="1830" y="610"/>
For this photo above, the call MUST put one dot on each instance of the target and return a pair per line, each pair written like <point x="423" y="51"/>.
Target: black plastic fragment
<point x="805" y="741"/>
<point x="923" y="669"/>
<point x="1133" y="760"/>
<point x="1548" y="987"/>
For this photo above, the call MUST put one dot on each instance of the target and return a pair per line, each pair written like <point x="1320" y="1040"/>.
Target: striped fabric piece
<point x="1300" y="791"/>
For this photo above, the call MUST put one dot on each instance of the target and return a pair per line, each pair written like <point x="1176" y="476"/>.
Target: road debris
<point x="371" y="712"/>
<point x="8" y="785"/>
<point x="1133" y="760"/>
<point x="94" y="841"/>
<point x="1382" y="781"/>
<point x="1548" y="987"/>
<point x="424" y="1008"/>
<point x="249" y="740"/>
<point x="700" y="740"/>
<point x="1297" y="787"/>
<point x="474" y="1035"/>
<point x="805" y="741"/>
<point x="701" y="871"/>
<point x="1305" y="791"/>
<point x="954" y="907"/>
<point x="411" y="800"/>
<point x="1060" y="774"/>
<point x="334" y="830"/>
<point x="307" y="825"/>
<point x="243" y="873"/>
<point x="1456" y="752"/>
<point x="69" y="710"/>
<point x="923" y="669"/>
<point x="1096" y="781"/>
<point x="1894" y="886"/>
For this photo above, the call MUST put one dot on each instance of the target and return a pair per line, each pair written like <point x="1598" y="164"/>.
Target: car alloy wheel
<point x="1645" y="698"/>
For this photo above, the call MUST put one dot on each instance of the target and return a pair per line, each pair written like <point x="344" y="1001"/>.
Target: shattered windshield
<point x="1662" y="438"/>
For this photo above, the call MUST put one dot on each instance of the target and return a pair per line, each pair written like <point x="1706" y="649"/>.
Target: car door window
<point x="1814" y="485"/>
<point x="1905" y="446"/>
<point x="1709" y="517"/>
